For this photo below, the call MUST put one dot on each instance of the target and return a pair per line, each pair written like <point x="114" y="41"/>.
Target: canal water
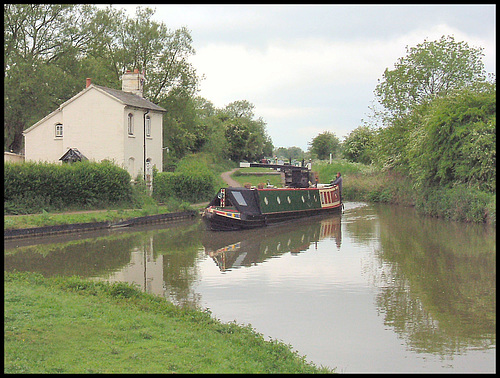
<point x="375" y="289"/>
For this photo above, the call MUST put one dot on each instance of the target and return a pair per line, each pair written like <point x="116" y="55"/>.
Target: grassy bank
<point x="59" y="218"/>
<point x="72" y="325"/>
<point x="256" y="175"/>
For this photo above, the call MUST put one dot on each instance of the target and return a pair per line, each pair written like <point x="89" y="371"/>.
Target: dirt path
<point x="226" y="176"/>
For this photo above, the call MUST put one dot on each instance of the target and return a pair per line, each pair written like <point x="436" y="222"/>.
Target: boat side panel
<point x="285" y="200"/>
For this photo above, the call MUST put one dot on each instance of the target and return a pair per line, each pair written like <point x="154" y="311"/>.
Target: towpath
<point x="226" y="176"/>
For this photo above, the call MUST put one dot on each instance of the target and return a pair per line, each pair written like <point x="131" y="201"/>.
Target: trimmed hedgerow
<point x="183" y="186"/>
<point x="192" y="181"/>
<point x="34" y="187"/>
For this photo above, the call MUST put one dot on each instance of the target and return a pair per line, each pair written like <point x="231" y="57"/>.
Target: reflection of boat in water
<point x="245" y="208"/>
<point x="249" y="247"/>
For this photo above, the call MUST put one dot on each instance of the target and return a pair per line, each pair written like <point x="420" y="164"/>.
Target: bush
<point x="192" y="181"/>
<point x="459" y="203"/>
<point x="33" y="187"/>
<point x="183" y="186"/>
<point x="457" y="141"/>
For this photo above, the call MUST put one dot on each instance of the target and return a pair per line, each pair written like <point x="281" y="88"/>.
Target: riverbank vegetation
<point x="71" y="325"/>
<point x="368" y="183"/>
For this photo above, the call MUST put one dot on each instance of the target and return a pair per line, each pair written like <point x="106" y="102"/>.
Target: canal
<point x="378" y="288"/>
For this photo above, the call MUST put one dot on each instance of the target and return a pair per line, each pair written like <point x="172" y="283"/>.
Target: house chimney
<point x="89" y="80"/>
<point x="133" y="82"/>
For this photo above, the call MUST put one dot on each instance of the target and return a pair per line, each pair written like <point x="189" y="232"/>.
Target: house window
<point x="130" y="124"/>
<point x="131" y="166"/>
<point x="59" y="130"/>
<point x="148" y="126"/>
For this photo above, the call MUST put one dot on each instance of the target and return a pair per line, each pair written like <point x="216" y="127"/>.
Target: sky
<point x="308" y="69"/>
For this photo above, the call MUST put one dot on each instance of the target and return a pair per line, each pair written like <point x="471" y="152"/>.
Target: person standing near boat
<point x="338" y="181"/>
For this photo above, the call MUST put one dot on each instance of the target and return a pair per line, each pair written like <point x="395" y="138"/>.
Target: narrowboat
<point x="238" y="208"/>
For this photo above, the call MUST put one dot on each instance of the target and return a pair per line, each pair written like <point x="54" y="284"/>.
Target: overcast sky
<point x="313" y="68"/>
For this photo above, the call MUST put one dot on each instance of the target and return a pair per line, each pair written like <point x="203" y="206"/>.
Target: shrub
<point x="32" y="187"/>
<point x="459" y="203"/>
<point x="192" y="181"/>
<point x="183" y="186"/>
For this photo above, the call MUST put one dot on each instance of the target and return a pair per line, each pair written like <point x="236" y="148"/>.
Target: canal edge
<point x="19" y="233"/>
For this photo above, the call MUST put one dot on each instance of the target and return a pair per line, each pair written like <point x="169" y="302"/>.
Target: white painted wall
<point x="12" y="157"/>
<point x="93" y="124"/>
<point x="41" y="143"/>
<point x="134" y="145"/>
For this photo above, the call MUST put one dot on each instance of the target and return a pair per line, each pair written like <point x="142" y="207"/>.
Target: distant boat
<point x="236" y="208"/>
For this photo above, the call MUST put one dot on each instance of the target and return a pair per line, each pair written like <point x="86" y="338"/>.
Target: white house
<point x="102" y="124"/>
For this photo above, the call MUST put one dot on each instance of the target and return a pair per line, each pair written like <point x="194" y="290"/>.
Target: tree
<point x="324" y="144"/>
<point x="179" y="124"/>
<point x="290" y="153"/>
<point x="429" y="69"/>
<point x="49" y="50"/>
<point x="358" y="145"/>
<point x="457" y="143"/>
<point x="246" y="138"/>
<point x="41" y="50"/>
<point x="240" y="109"/>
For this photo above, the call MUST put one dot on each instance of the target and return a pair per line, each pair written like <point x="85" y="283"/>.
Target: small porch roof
<point x="73" y="155"/>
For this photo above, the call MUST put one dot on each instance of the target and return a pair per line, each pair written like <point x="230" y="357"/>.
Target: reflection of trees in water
<point x="180" y="251"/>
<point x="87" y="257"/>
<point x="360" y="226"/>
<point x="437" y="280"/>
<point x="105" y="255"/>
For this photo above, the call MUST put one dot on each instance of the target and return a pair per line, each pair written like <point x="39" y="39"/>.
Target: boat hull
<point x="240" y="209"/>
<point x="217" y="222"/>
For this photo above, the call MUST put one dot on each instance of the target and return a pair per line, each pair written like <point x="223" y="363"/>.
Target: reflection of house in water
<point x="231" y="250"/>
<point x="143" y="270"/>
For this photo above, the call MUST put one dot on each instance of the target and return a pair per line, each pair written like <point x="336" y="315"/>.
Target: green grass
<point x="51" y="219"/>
<point x="72" y="325"/>
<point x="243" y="178"/>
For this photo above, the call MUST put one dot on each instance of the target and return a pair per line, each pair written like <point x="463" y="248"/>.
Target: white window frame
<point x="148" y="127"/>
<point x="58" y="130"/>
<point x="130" y="124"/>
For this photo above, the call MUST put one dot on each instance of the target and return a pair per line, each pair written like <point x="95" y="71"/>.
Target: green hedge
<point x="183" y="186"/>
<point x="193" y="181"/>
<point x="34" y="187"/>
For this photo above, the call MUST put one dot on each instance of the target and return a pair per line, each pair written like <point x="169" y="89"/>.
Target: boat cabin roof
<point x="243" y="199"/>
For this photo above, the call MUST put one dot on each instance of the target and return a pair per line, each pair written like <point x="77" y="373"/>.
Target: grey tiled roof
<point x="131" y="99"/>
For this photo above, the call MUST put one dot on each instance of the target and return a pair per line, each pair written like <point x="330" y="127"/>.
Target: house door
<point x="149" y="174"/>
